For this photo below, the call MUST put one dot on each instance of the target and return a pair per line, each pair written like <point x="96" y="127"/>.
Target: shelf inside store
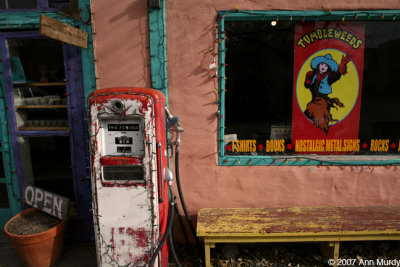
<point x="27" y="128"/>
<point x="39" y="84"/>
<point x="40" y="106"/>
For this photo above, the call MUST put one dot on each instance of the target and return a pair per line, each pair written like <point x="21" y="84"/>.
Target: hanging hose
<point x="174" y="125"/>
<point x="178" y="182"/>
<point x="172" y="249"/>
<point x="167" y="231"/>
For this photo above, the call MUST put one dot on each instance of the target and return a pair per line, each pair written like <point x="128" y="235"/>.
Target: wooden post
<point x="331" y="250"/>
<point x="207" y="247"/>
<point x="335" y="254"/>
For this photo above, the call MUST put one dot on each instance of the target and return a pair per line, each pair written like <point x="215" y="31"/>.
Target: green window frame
<point x="289" y="160"/>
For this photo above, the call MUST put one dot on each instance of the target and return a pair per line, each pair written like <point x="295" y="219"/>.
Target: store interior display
<point x="39" y="89"/>
<point x="39" y="85"/>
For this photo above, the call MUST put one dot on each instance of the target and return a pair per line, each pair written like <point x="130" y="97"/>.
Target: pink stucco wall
<point x="121" y="43"/>
<point x="121" y="51"/>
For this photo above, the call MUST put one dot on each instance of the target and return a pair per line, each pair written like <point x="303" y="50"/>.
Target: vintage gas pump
<point x="130" y="176"/>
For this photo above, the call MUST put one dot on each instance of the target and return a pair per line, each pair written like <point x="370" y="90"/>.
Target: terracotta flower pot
<point x="38" y="250"/>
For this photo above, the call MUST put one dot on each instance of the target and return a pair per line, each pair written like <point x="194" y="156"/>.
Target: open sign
<point x="45" y="201"/>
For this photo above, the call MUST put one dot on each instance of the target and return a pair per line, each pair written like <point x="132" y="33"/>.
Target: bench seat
<point x="314" y="224"/>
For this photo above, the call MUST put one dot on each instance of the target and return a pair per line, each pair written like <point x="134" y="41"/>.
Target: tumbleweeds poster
<point x="328" y="68"/>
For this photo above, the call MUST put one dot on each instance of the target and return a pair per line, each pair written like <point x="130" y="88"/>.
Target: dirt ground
<point x="32" y="223"/>
<point x="230" y="255"/>
<point x="290" y="254"/>
<point x="74" y="255"/>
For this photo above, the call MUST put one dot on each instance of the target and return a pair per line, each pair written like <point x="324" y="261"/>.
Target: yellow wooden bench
<point x="318" y="224"/>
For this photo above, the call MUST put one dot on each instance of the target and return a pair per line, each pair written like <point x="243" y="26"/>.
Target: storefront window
<point x="32" y="4"/>
<point x="38" y="92"/>
<point x="16" y="4"/>
<point x="48" y="166"/>
<point x="3" y="196"/>
<point x="3" y="189"/>
<point x="302" y="88"/>
<point x="58" y="3"/>
<point x="38" y="77"/>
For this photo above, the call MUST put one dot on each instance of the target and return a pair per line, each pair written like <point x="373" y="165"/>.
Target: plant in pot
<point x="37" y="236"/>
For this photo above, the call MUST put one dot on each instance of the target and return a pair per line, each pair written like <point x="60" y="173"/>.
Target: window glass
<point x="2" y="174"/>
<point x="3" y="189"/>
<point x="37" y="68"/>
<point x="3" y="196"/>
<point x="126" y="173"/>
<point x="31" y="4"/>
<point x="17" y="4"/>
<point x="58" y="3"/>
<point x="46" y="163"/>
<point x="313" y="87"/>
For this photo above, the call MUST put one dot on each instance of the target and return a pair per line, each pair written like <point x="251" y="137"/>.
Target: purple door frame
<point x="82" y="226"/>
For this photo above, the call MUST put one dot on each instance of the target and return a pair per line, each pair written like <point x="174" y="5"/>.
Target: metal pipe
<point x="172" y="249"/>
<point x="178" y="183"/>
<point x="167" y="232"/>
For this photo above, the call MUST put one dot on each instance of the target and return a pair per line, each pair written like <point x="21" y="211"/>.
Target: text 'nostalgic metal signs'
<point x="45" y="201"/>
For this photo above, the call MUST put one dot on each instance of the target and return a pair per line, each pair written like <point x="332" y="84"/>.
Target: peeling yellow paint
<point x="320" y="224"/>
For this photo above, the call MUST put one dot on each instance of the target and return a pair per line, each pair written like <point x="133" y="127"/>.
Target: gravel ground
<point x="377" y="253"/>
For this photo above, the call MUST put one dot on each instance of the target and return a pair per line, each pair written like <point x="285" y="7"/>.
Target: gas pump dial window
<point x="125" y="173"/>
<point x="123" y="138"/>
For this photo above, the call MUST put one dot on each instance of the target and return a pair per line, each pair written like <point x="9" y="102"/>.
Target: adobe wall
<point x="121" y="51"/>
<point x="121" y="43"/>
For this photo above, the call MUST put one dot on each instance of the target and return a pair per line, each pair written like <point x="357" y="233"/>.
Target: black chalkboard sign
<point x="45" y="201"/>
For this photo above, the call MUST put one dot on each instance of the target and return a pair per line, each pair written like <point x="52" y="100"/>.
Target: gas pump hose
<point x="172" y="250"/>
<point x="164" y="238"/>
<point x="178" y="183"/>
<point x="179" y="129"/>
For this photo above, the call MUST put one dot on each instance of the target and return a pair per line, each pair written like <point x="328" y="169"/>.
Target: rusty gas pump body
<point x="128" y="162"/>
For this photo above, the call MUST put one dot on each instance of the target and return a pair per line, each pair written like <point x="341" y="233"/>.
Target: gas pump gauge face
<point x="123" y="137"/>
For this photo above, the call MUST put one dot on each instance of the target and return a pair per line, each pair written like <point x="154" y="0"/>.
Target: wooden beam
<point x="57" y="30"/>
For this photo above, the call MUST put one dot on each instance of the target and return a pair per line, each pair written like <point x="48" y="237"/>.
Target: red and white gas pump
<point x="130" y="175"/>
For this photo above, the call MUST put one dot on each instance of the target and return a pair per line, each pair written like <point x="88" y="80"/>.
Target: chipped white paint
<point x="125" y="216"/>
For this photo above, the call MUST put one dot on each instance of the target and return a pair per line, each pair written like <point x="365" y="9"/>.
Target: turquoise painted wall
<point x="158" y="49"/>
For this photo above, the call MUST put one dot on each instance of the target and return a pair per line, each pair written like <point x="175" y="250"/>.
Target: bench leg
<point x="331" y="250"/>
<point x="335" y="255"/>
<point x="207" y="247"/>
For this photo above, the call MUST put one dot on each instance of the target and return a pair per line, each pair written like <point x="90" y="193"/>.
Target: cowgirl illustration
<point x="325" y="72"/>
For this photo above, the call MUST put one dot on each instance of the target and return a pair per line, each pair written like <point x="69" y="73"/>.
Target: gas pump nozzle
<point x="174" y="125"/>
<point x="173" y="122"/>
